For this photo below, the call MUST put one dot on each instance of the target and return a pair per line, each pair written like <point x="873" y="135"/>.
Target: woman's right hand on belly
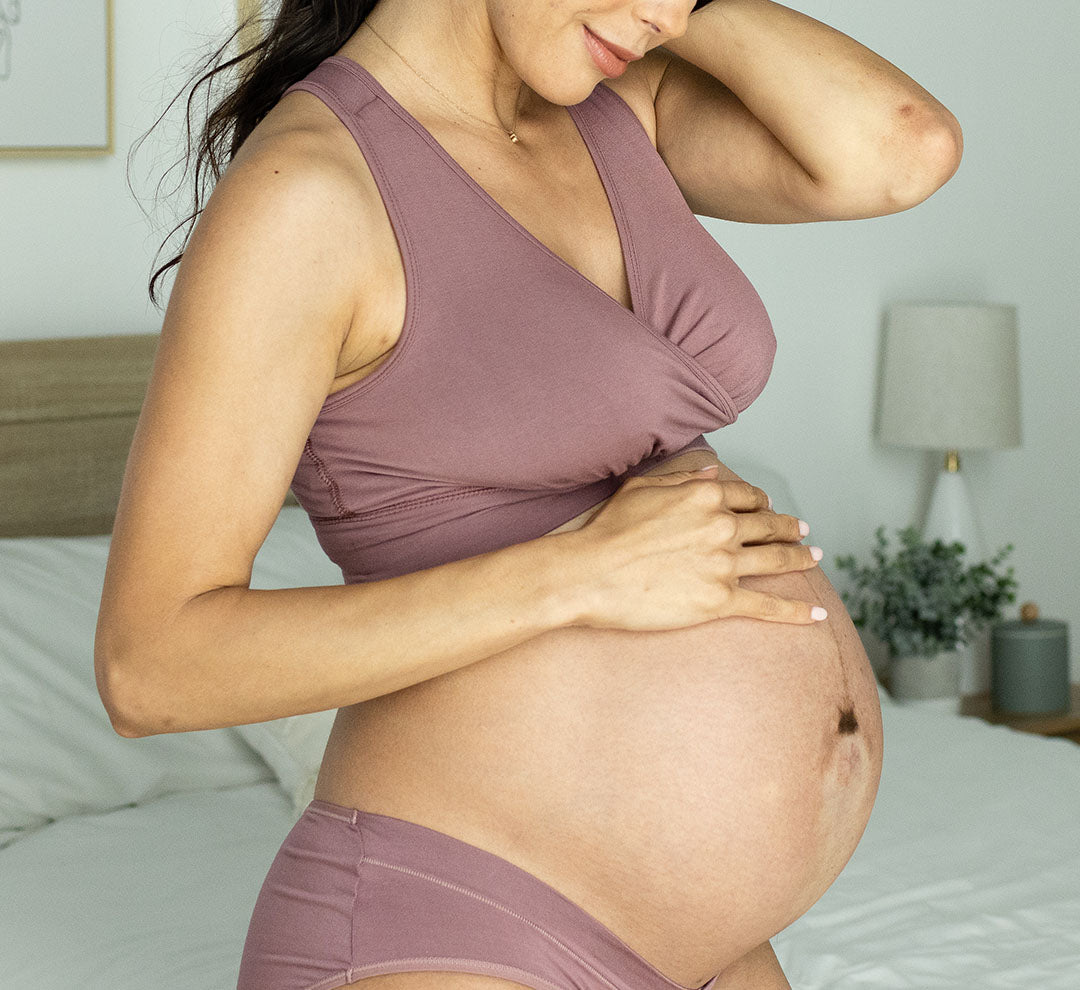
<point x="667" y="551"/>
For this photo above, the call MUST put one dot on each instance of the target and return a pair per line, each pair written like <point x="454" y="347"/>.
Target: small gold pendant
<point x="513" y="137"/>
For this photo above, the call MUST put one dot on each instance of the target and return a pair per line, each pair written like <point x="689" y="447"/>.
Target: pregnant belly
<point x="694" y="789"/>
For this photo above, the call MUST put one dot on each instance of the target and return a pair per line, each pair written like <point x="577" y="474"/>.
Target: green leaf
<point x="922" y="598"/>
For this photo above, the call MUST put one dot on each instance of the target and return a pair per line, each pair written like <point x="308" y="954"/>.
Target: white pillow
<point x="59" y="754"/>
<point x="293" y="746"/>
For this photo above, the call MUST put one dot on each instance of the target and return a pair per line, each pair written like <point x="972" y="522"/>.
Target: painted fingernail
<point x="817" y="553"/>
<point x="817" y="613"/>
<point x="804" y="527"/>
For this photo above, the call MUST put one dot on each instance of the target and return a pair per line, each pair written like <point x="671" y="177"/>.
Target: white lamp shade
<point x="950" y="377"/>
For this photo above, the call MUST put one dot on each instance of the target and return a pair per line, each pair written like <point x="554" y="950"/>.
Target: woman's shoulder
<point x="301" y="159"/>
<point x="291" y="208"/>
<point x="302" y="132"/>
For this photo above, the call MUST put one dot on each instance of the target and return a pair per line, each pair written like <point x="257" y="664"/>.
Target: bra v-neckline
<point x="621" y="226"/>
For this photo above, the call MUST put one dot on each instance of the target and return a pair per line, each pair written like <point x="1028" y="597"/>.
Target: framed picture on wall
<point x="56" y="77"/>
<point x="250" y="15"/>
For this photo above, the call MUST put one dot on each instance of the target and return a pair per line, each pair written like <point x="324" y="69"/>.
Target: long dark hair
<point x="301" y="34"/>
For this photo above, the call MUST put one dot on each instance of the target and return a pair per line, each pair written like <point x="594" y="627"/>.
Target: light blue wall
<point x="77" y="253"/>
<point x="76" y="245"/>
<point x="1004" y="229"/>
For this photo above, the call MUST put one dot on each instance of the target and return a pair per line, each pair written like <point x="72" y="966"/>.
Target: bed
<point x="135" y="863"/>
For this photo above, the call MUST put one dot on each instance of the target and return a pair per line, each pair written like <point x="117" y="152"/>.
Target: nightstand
<point x="1065" y="725"/>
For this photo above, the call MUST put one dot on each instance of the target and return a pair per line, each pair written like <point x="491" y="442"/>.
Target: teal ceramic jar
<point x="1029" y="665"/>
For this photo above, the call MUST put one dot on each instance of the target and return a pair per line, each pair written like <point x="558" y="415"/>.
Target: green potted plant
<point x="923" y="602"/>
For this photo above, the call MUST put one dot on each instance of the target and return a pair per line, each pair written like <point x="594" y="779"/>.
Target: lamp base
<point x="951" y="517"/>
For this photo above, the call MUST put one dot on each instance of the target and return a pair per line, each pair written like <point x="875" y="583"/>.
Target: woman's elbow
<point x="113" y="677"/>
<point x="916" y="158"/>
<point x="931" y="155"/>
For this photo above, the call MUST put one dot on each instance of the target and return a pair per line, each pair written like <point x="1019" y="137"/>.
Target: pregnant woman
<point x="602" y="721"/>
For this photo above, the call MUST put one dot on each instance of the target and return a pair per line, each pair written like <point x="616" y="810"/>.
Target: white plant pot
<point x="932" y="680"/>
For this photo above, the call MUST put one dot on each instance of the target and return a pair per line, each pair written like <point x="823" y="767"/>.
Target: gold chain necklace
<point x="513" y="137"/>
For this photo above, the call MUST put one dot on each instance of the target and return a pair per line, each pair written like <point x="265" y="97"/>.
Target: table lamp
<point x="950" y="382"/>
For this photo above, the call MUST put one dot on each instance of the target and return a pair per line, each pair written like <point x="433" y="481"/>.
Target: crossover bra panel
<point x="519" y="393"/>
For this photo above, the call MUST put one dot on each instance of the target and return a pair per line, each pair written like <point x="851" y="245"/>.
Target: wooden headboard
<point x="68" y="408"/>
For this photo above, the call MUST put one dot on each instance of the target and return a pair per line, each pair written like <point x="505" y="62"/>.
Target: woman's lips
<point x="607" y="61"/>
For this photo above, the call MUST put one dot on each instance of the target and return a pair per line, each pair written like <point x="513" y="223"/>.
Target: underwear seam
<point x="355" y="896"/>
<point x="327" y="982"/>
<point x="330" y="814"/>
<point x="502" y="907"/>
<point x="351" y="974"/>
<point x="502" y="967"/>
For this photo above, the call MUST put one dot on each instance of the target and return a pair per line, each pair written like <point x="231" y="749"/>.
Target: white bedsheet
<point x="151" y="897"/>
<point x="968" y="876"/>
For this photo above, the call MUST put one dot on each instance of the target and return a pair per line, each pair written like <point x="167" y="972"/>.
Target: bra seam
<point x="425" y="137"/>
<point x="471" y="184"/>
<point x="358" y="72"/>
<point x="400" y="228"/>
<point x="327" y="478"/>
<point x="631" y="249"/>
<point x="389" y="510"/>
<point x="702" y="374"/>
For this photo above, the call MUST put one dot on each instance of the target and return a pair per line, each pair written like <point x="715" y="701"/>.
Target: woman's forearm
<point x="848" y="116"/>
<point x="235" y="655"/>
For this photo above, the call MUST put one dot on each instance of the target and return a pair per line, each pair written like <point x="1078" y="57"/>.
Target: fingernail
<point x="817" y="613"/>
<point x="804" y="527"/>
<point x="769" y="497"/>
<point x="817" y="553"/>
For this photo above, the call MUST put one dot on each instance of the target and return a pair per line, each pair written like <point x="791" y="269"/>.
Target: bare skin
<point x="695" y="790"/>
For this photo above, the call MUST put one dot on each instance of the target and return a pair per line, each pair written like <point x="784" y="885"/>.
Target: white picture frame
<point x="251" y="33"/>
<point x="56" y="78"/>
